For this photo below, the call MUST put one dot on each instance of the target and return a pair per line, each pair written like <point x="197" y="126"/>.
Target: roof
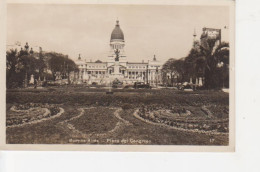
<point x="117" y="33"/>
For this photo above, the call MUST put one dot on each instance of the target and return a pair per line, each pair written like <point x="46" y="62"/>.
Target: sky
<point x="166" y="31"/>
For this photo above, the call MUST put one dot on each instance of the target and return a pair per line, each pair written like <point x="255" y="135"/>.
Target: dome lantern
<point x="117" y="34"/>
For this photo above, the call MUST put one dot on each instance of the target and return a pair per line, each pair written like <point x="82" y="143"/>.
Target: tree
<point x="167" y="70"/>
<point x="42" y="64"/>
<point x="59" y="63"/>
<point x="23" y="64"/>
<point x="11" y="68"/>
<point x="223" y="64"/>
<point x="214" y="54"/>
<point x="178" y="66"/>
<point x="174" y="68"/>
<point x="11" y="62"/>
<point x="191" y="64"/>
<point x="18" y="66"/>
<point x="29" y="64"/>
<point x="71" y="66"/>
<point x="55" y="63"/>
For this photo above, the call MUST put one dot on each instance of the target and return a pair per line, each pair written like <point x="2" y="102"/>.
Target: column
<point x="84" y="74"/>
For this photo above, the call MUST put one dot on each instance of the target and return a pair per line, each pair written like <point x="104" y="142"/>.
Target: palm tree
<point x="214" y="53"/>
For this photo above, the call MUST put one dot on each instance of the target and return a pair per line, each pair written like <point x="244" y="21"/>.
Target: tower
<point x="117" y="38"/>
<point x="117" y="44"/>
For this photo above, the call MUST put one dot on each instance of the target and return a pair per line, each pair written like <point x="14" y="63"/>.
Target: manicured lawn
<point x="97" y="120"/>
<point x="102" y="123"/>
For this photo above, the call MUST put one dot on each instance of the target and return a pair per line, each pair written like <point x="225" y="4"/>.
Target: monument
<point x="31" y="80"/>
<point x="117" y="65"/>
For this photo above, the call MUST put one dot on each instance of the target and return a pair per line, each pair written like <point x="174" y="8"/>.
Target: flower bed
<point x="27" y="113"/>
<point x="182" y="118"/>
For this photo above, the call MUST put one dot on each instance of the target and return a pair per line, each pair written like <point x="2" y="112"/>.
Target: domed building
<point x="117" y="37"/>
<point x="118" y="67"/>
<point x="117" y="44"/>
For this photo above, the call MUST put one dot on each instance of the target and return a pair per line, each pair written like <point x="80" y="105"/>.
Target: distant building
<point x="118" y="66"/>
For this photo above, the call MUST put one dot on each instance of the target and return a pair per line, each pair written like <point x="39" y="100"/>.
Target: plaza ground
<point x="90" y="116"/>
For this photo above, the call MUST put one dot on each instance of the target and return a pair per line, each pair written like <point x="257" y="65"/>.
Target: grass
<point x="135" y="97"/>
<point x="101" y="119"/>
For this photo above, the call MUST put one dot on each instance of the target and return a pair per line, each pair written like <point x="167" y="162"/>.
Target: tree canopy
<point x="173" y="68"/>
<point x="210" y="61"/>
<point x="22" y="64"/>
<point x="59" y="63"/>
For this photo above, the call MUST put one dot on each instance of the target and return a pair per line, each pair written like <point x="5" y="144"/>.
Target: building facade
<point x="118" y="67"/>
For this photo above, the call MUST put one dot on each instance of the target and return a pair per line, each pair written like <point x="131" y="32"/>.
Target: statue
<point x="26" y="46"/>
<point x="117" y="54"/>
<point x="32" y="79"/>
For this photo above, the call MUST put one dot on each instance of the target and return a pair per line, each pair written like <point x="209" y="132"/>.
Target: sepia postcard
<point x="118" y="77"/>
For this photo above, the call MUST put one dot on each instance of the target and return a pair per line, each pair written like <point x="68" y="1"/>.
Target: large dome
<point x="117" y="33"/>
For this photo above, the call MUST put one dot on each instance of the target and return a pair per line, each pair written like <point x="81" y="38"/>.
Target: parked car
<point x="138" y="85"/>
<point x="185" y="86"/>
